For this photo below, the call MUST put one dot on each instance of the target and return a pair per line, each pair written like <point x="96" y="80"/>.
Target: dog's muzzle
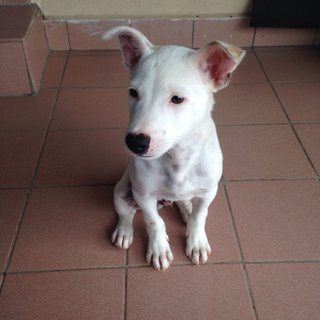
<point x="138" y="143"/>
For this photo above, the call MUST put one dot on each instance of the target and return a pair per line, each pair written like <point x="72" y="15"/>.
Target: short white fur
<point x="183" y="162"/>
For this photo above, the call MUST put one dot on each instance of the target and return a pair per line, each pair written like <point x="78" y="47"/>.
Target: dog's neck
<point x="186" y="148"/>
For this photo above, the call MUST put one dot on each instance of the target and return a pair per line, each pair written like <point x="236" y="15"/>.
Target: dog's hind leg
<point x="185" y="208"/>
<point x="126" y="207"/>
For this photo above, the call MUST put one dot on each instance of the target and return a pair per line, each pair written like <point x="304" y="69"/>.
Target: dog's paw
<point x="159" y="253"/>
<point x="198" y="247"/>
<point x="122" y="236"/>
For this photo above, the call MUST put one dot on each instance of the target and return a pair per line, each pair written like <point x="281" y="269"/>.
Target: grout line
<point x="31" y="25"/>
<point x="111" y="184"/>
<point x="143" y="266"/>
<point x="192" y="34"/>
<point x="253" y="124"/>
<point x="57" y="129"/>
<point x="125" y="298"/>
<point x="282" y="261"/>
<point x="286" y="115"/>
<point x="68" y="36"/>
<point x="29" y="190"/>
<point x="30" y="81"/>
<point x="254" y="37"/>
<point x="270" y="179"/>
<point x="304" y="150"/>
<point x="4" y="187"/>
<point x="74" y="186"/>
<point x="233" y="222"/>
<point x="246" y="280"/>
<point x="249" y="289"/>
<point x="15" y="236"/>
<point x="85" y="129"/>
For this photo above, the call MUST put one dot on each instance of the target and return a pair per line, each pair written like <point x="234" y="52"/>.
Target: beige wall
<point x="95" y="9"/>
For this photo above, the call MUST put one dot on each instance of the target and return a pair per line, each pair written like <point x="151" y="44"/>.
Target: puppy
<point x="174" y="152"/>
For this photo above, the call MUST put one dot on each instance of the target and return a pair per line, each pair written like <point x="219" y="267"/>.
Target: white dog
<point x="175" y="154"/>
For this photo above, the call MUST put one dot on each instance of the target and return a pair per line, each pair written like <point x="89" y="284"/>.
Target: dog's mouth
<point x="144" y="156"/>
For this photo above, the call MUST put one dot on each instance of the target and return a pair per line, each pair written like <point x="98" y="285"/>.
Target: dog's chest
<point x="172" y="178"/>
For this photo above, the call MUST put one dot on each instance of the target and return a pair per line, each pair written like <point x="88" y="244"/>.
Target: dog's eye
<point x="133" y="93"/>
<point x="177" y="99"/>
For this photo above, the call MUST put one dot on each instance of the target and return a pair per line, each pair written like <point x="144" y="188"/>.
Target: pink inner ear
<point x="131" y="49"/>
<point x="219" y="65"/>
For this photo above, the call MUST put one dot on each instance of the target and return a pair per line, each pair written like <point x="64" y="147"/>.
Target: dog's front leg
<point x="159" y="252"/>
<point x="198" y="247"/>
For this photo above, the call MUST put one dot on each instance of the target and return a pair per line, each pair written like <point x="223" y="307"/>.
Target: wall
<point x="102" y="9"/>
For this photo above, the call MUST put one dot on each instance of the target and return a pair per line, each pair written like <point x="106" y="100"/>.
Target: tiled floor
<point x="62" y="152"/>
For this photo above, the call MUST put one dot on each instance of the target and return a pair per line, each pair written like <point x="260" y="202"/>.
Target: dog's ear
<point x="218" y="60"/>
<point x="134" y="45"/>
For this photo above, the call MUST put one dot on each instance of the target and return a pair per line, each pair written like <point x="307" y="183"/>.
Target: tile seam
<point x="144" y="266"/>
<point x="68" y="35"/>
<point x="287" y="116"/>
<point x="32" y="181"/>
<point x="29" y="190"/>
<point x="249" y="290"/>
<point x="125" y="297"/>
<point x="66" y="186"/>
<point x="233" y="222"/>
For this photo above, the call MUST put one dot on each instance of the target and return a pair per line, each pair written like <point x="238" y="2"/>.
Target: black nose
<point x="138" y="143"/>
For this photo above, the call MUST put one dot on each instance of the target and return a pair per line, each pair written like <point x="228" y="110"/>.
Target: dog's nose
<point x="138" y="143"/>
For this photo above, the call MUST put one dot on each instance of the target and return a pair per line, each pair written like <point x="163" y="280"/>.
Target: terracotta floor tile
<point x="206" y="292"/>
<point x="309" y="135"/>
<point x="248" y="104"/>
<point x="95" y="71"/>
<point x="286" y="291"/>
<point x="70" y="227"/>
<point x="17" y="16"/>
<point x="234" y="31"/>
<point x="57" y="34"/>
<point x="284" y="36"/>
<point x="91" y="294"/>
<point x="94" y="53"/>
<point x="14" y="78"/>
<point x="249" y="70"/>
<point x="291" y="65"/>
<point x="173" y="32"/>
<point x="264" y="151"/>
<point x="36" y="52"/>
<point x="67" y="228"/>
<point x="91" y="108"/>
<point x="82" y="157"/>
<point x="300" y="100"/>
<point x="86" y="35"/>
<point x="11" y="204"/>
<point x="54" y="69"/>
<point x="27" y="112"/>
<point x="218" y="227"/>
<point x="18" y="156"/>
<point x="277" y="219"/>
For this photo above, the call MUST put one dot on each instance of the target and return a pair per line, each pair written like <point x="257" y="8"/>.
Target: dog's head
<point x="171" y="88"/>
